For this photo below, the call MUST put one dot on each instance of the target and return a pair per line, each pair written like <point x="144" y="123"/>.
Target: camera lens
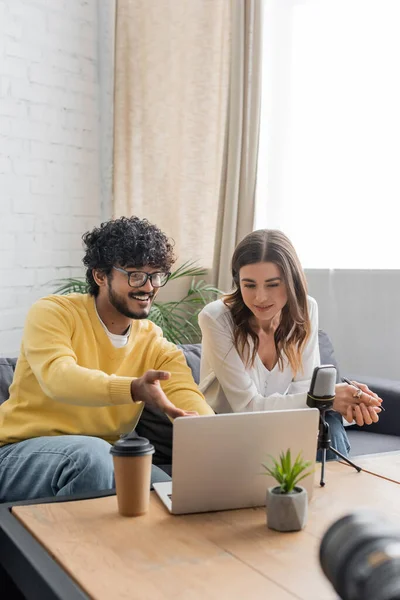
<point x="360" y="555"/>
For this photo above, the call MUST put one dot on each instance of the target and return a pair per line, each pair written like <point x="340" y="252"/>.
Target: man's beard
<point x="121" y="304"/>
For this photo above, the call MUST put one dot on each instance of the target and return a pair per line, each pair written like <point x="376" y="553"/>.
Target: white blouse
<point x="230" y="386"/>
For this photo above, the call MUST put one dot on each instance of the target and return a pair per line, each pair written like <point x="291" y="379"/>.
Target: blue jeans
<point x="58" y="466"/>
<point x="338" y="435"/>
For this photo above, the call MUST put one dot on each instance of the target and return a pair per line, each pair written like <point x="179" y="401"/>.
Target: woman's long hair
<point x="292" y="333"/>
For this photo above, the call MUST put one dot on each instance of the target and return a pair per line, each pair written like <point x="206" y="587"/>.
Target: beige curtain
<point x="238" y="183"/>
<point x="172" y="72"/>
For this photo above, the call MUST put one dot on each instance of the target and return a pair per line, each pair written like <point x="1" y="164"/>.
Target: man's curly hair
<point x="127" y="241"/>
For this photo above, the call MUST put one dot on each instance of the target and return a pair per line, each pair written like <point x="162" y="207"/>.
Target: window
<point x="329" y="161"/>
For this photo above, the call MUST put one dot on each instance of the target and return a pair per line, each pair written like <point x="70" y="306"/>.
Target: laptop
<point x="217" y="459"/>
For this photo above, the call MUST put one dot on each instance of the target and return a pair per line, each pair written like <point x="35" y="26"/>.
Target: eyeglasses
<point x="137" y="279"/>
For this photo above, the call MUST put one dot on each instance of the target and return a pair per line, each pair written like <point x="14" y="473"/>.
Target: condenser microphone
<point x="322" y="389"/>
<point x="321" y="396"/>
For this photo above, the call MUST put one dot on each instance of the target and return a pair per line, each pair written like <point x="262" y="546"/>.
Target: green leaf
<point x="286" y="472"/>
<point x="188" y="269"/>
<point x="72" y="285"/>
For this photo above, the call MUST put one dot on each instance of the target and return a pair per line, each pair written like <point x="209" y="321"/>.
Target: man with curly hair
<point x="88" y="364"/>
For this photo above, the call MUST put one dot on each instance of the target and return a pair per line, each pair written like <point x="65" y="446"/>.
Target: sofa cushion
<point x="192" y="354"/>
<point x="326" y="352"/>
<point x="365" y="442"/>
<point x="7" y="367"/>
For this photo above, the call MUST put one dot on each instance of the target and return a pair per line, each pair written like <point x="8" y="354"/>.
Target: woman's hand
<point x="362" y="407"/>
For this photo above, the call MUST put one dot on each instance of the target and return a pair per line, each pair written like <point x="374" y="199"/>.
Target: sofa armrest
<point x="389" y="391"/>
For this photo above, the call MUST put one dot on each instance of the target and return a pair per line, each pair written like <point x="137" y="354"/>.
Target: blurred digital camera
<point x="360" y="555"/>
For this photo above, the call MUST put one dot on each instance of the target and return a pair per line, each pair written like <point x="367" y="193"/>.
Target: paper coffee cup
<point x="132" y="458"/>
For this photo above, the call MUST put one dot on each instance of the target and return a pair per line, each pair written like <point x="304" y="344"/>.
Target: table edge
<point x="28" y="563"/>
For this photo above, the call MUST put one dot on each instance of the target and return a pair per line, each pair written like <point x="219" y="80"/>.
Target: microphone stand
<point x="324" y="444"/>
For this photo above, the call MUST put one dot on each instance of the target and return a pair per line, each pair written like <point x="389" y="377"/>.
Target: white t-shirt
<point x="230" y="386"/>
<point x="118" y="341"/>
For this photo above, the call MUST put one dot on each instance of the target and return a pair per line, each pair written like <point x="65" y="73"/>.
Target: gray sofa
<point x="383" y="436"/>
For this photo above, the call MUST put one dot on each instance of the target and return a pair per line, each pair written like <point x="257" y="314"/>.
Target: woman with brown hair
<point x="260" y="342"/>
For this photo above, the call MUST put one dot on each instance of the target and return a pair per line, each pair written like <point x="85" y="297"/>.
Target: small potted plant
<point x="287" y="503"/>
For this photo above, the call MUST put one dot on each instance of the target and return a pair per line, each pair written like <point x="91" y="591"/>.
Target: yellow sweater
<point x="70" y="379"/>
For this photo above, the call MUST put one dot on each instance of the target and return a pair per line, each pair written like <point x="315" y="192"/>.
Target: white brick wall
<point x="49" y="157"/>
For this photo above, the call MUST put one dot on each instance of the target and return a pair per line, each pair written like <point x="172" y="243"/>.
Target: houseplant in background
<point x="287" y="503"/>
<point x="177" y="319"/>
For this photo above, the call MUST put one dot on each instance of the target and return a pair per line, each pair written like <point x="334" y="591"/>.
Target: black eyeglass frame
<point x="147" y="277"/>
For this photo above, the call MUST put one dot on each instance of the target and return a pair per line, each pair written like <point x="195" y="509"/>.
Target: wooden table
<point x="386" y="465"/>
<point x="230" y="554"/>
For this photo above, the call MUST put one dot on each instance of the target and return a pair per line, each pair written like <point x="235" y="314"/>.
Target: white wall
<point x="50" y="161"/>
<point x="105" y="67"/>
<point x="360" y="310"/>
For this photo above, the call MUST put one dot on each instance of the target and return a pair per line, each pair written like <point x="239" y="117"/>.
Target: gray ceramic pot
<point x="287" y="512"/>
